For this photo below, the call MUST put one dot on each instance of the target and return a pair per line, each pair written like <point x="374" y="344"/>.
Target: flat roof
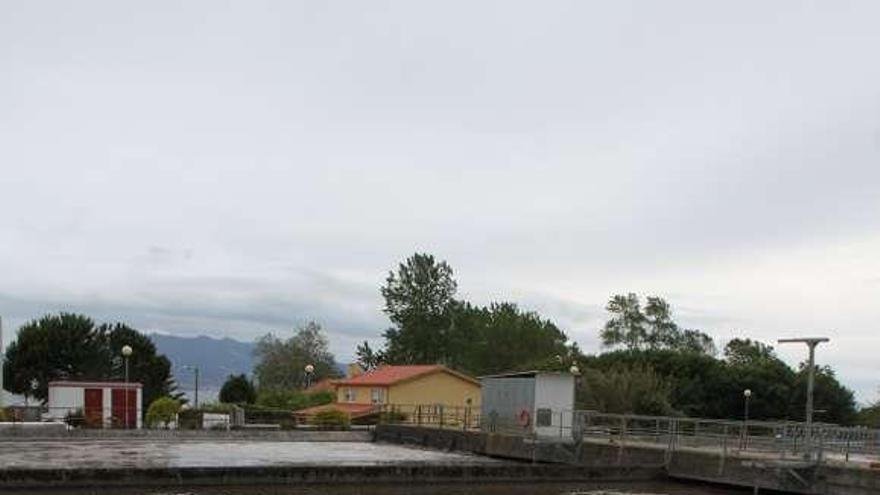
<point x="526" y="374"/>
<point x="68" y="383"/>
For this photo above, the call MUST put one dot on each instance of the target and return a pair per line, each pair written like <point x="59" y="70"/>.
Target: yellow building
<point x="410" y="385"/>
<point x="406" y="387"/>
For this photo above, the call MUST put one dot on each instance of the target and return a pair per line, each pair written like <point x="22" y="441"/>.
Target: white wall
<point x="554" y="392"/>
<point x="63" y="400"/>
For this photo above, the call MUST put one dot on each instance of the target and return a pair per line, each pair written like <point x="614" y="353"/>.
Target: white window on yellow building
<point x="349" y="394"/>
<point x="377" y="396"/>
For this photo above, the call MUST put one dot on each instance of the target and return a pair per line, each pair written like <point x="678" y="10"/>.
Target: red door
<point x="124" y="408"/>
<point x="94" y="407"/>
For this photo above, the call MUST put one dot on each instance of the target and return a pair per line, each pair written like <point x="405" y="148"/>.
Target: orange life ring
<point x="524" y="418"/>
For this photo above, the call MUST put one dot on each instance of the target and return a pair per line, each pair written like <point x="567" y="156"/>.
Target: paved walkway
<point x="76" y="454"/>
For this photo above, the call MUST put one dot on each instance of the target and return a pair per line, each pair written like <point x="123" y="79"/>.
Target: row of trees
<point x="73" y="347"/>
<point x="696" y="384"/>
<point x="652" y="365"/>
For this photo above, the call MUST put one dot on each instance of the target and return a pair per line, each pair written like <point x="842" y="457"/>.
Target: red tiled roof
<point x="327" y="384"/>
<point x="389" y="375"/>
<point x="353" y="410"/>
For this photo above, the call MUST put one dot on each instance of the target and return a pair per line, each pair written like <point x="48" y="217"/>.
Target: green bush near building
<point x="292" y="400"/>
<point x="331" y="419"/>
<point x="162" y="412"/>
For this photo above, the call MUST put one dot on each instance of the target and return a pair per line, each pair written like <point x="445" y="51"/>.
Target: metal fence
<point x="784" y="439"/>
<point x="779" y="439"/>
<point x="431" y="416"/>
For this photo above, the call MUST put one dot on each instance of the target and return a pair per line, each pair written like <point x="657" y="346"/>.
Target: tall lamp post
<point x="126" y="353"/>
<point x="195" y="370"/>
<point x="310" y="370"/>
<point x="747" y="395"/>
<point x="811" y="342"/>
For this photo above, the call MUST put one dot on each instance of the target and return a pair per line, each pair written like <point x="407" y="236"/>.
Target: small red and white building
<point x="103" y="404"/>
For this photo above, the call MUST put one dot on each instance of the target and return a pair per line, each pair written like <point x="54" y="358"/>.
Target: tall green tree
<point x="627" y="325"/>
<point x="237" y="389"/>
<point x="367" y="358"/>
<point x="71" y="347"/>
<point x="430" y="326"/>
<point x="419" y="297"/>
<point x="625" y="390"/>
<point x="652" y="328"/>
<point x="754" y="366"/>
<point x="502" y="338"/>
<point x="281" y="363"/>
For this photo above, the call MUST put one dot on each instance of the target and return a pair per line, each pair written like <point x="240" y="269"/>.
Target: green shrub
<point x="163" y="410"/>
<point x="4" y="415"/>
<point x="292" y="400"/>
<point x="331" y="419"/>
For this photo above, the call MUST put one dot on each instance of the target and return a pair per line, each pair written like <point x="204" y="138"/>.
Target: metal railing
<point x="765" y="439"/>
<point x="783" y="439"/>
<point x="431" y="416"/>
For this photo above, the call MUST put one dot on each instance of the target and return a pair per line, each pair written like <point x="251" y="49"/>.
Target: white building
<point x="103" y="404"/>
<point x="535" y="402"/>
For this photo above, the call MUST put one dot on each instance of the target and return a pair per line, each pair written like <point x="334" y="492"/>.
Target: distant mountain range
<point x="215" y="358"/>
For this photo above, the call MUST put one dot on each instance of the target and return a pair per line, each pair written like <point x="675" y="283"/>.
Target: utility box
<point x="528" y="402"/>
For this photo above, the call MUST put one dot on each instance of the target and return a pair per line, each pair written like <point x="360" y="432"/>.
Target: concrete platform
<point x="113" y="454"/>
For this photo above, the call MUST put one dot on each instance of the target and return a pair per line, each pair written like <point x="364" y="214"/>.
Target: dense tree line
<point x="72" y="347"/>
<point x="697" y="384"/>
<point x="652" y="365"/>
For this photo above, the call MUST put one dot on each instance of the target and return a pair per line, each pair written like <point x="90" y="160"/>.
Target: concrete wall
<point x="767" y="473"/>
<point x="298" y="475"/>
<point x="523" y="448"/>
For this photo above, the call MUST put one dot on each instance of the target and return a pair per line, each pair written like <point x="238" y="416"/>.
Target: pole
<point x="125" y="401"/>
<point x="811" y="342"/>
<point x="197" y="387"/>
<point x="810" y="384"/>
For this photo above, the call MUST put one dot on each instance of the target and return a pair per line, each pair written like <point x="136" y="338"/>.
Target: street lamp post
<point x="747" y="395"/>
<point x="310" y="370"/>
<point x="126" y="353"/>
<point x="811" y="342"/>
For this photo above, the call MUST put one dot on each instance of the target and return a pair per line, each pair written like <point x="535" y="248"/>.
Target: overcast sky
<point x="231" y="168"/>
